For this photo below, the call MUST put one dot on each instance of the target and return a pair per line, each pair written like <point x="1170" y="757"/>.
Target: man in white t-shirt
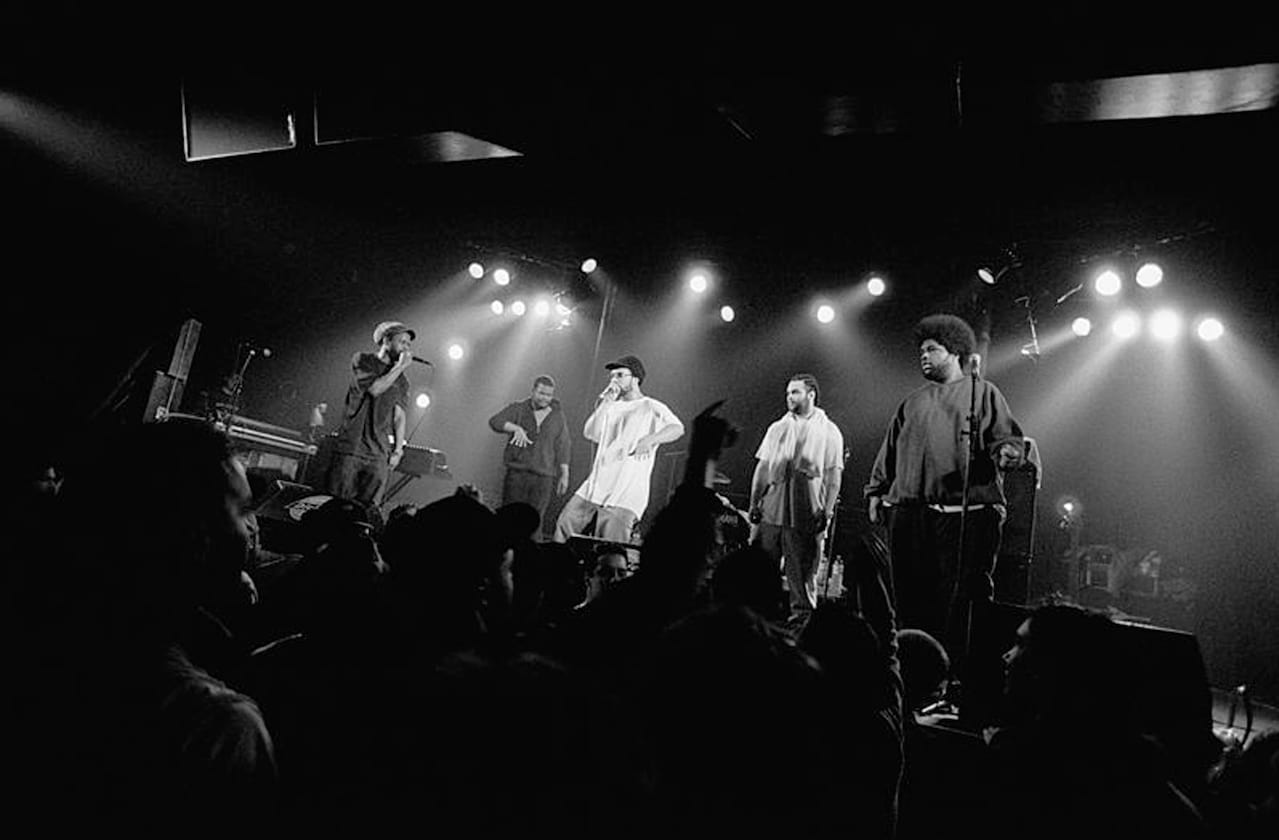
<point x="795" y="487"/>
<point x="627" y="428"/>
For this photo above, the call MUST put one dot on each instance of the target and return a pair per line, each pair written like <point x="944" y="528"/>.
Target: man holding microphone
<point x="627" y="427"/>
<point x="370" y="441"/>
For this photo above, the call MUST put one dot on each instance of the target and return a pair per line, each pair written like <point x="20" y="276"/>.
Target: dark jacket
<point x="550" y="446"/>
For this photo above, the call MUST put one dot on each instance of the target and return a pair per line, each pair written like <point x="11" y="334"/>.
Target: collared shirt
<point x="550" y="438"/>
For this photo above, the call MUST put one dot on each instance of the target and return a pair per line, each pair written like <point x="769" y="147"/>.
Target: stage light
<point x="1107" y="283"/>
<point x="876" y="286"/>
<point x="1070" y="510"/>
<point x="727" y="314"/>
<point x="825" y="313"/>
<point x="542" y="308"/>
<point x="518" y="308"/>
<point x="986" y="276"/>
<point x="501" y="277"/>
<point x="456" y="352"/>
<point x="1081" y="326"/>
<point x="698" y="283"/>
<point x="423" y="400"/>
<point x="1210" y="329"/>
<point x="1126" y="325"/>
<point x="1149" y="276"/>
<point x="496" y="307"/>
<point x="1165" y="325"/>
<point x="589" y="265"/>
<point x="475" y="270"/>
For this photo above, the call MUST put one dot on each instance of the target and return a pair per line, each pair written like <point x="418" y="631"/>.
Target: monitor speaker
<point x="1167" y="694"/>
<point x="280" y="513"/>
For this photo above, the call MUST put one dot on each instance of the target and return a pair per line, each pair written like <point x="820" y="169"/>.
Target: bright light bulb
<point x="876" y="286"/>
<point x="698" y="283"/>
<point x="1165" y="325"/>
<point x="1149" y="275"/>
<point x="1126" y="325"/>
<point x="825" y="313"/>
<point x="456" y="352"/>
<point x="475" y="270"/>
<point x="589" y="265"/>
<point x="1108" y="283"/>
<point x="423" y="400"/>
<point x="1081" y="326"/>
<point x="727" y="314"/>
<point x="542" y="308"/>
<point x="1210" y="329"/>
<point x="518" y="308"/>
<point x="497" y="307"/>
<point x="501" y="277"/>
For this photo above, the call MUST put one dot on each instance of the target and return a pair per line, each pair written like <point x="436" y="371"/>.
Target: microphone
<point x="610" y="391"/>
<point x="422" y="361"/>
<point x="974" y="364"/>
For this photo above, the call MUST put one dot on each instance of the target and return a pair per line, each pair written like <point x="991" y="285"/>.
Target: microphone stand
<point x="605" y="308"/>
<point x="408" y="440"/>
<point x="969" y="451"/>
<point x="234" y="389"/>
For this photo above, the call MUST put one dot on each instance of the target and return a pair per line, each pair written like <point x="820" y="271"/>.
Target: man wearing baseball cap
<point x="628" y="427"/>
<point x="370" y="440"/>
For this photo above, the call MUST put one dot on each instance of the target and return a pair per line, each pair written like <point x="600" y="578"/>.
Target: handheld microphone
<point x="422" y="361"/>
<point x="610" y="391"/>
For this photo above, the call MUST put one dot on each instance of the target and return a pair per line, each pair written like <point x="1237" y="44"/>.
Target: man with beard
<point x="537" y="452"/>
<point x="370" y="441"/>
<point x="628" y="427"/>
<point x="795" y="487"/>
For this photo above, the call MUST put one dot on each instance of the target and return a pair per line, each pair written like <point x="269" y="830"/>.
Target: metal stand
<point x="973" y="433"/>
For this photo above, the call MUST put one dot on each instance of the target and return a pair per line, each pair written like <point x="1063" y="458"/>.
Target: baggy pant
<point x="801" y="552"/>
<point x="358" y="479"/>
<point x="530" y="488"/>
<point x="611" y="523"/>
<point x="924" y="544"/>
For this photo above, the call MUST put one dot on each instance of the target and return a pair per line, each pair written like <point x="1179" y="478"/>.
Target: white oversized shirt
<point x="798" y="453"/>
<point x="618" y="478"/>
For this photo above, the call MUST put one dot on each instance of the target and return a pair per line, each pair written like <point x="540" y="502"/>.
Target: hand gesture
<point x="712" y="434"/>
<point x="643" y="448"/>
<point x="874" y="511"/>
<point x="1010" y="455"/>
<point x="520" y="438"/>
<point x="406" y="359"/>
